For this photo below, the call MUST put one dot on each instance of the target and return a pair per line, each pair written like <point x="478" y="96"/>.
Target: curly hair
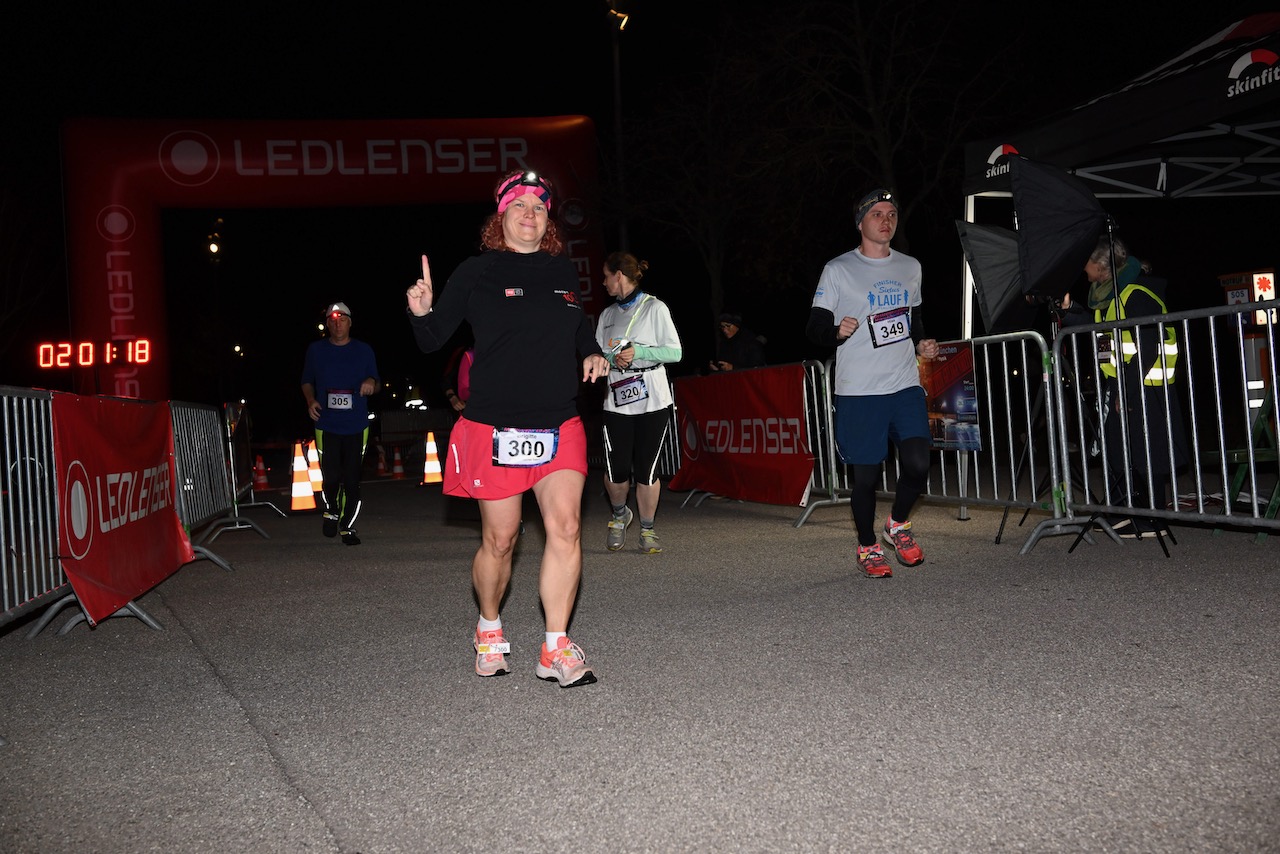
<point x="491" y="236"/>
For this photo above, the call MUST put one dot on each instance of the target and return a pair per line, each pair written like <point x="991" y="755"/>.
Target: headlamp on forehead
<point x="870" y="200"/>
<point x="522" y="184"/>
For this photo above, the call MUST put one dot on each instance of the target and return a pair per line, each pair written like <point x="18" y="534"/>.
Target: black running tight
<point x="913" y="465"/>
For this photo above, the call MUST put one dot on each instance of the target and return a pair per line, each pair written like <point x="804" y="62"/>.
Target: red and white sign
<point x="119" y="533"/>
<point x="743" y="435"/>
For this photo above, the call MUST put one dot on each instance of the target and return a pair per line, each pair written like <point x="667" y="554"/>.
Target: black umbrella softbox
<point x="1059" y="222"/>
<point x="992" y="253"/>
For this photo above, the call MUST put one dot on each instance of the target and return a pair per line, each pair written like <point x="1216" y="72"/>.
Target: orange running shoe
<point x="566" y="665"/>
<point x="872" y="561"/>
<point x="491" y="653"/>
<point x="904" y="545"/>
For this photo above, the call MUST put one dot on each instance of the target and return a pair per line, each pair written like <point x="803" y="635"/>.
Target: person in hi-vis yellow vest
<point x="1143" y="376"/>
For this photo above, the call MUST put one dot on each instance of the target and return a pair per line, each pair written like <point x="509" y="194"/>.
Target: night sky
<point x="326" y="60"/>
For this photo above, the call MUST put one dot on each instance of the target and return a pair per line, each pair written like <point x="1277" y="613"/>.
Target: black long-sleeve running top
<point x="531" y="336"/>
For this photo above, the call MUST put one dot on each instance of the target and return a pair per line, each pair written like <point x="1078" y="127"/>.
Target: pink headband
<point x="523" y="185"/>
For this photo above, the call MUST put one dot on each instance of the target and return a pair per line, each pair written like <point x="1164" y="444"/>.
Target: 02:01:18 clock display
<point x="87" y="354"/>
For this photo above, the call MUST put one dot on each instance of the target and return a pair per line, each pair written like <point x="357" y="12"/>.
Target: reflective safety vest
<point x="1159" y="372"/>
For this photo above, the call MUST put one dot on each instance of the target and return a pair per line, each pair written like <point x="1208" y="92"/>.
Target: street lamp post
<point x="619" y="22"/>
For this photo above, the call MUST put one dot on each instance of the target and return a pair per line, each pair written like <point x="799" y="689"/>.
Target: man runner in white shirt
<point x="866" y="306"/>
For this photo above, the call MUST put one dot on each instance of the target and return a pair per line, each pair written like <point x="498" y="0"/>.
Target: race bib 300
<point x="524" y="448"/>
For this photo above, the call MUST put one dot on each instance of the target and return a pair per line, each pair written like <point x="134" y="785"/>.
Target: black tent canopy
<point x="1205" y="123"/>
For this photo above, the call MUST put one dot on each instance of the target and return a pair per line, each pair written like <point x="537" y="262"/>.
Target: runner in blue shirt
<point x="338" y="376"/>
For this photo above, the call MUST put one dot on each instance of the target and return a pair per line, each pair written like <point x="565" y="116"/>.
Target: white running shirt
<point x="854" y="285"/>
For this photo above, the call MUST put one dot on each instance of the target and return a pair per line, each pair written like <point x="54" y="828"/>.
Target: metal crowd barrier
<point x="203" y="472"/>
<point x="1043" y="414"/>
<point x="830" y="483"/>
<point x="239" y="448"/>
<point x="207" y="454"/>
<point x="828" y="479"/>
<point x="1015" y="467"/>
<point x="1223" y="394"/>
<point x="30" y="573"/>
<point x="669" y="456"/>
<point x="1042" y="419"/>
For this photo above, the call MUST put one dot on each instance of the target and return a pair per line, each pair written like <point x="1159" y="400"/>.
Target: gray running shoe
<point x="618" y="530"/>
<point x="649" y="542"/>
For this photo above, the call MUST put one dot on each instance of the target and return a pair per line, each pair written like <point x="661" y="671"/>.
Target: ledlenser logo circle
<point x="689" y="427"/>
<point x="189" y="158"/>
<point x="77" y="511"/>
<point x="116" y="223"/>
<point x="573" y="213"/>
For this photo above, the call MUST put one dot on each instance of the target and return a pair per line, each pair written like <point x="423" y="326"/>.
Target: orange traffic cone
<point x="397" y="468"/>
<point x="303" y="498"/>
<point x="431" y="469"/>
<point x="382" y="462"/>
<point x="313" y="467"/>
<point x="260" y="483"/>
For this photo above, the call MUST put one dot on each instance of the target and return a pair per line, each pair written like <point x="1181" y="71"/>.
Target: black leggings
<point x="632" y="445"/>
<point x="341" y="458"/>
<point x="913" y="464"/>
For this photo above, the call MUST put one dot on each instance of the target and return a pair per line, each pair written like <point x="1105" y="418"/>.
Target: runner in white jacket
<point x="639" y="339"/>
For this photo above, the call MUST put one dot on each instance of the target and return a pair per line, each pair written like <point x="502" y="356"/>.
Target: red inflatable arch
<point x="120" y="175"/>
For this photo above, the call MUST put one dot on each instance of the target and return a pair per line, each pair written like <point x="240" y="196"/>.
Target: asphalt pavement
<point x="755" y="694"/>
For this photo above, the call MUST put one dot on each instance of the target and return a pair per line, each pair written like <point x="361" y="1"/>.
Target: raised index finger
<point x="426" y="270"/>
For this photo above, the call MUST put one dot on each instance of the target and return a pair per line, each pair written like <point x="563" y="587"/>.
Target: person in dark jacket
<point x="736" y="346"/>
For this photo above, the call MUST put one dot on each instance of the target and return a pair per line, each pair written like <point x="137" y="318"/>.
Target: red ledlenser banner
<point x="743" y="435"/>
<point x="119" y="533"/>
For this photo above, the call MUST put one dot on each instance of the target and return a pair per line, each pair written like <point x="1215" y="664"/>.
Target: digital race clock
<point x="88" y="354"/>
